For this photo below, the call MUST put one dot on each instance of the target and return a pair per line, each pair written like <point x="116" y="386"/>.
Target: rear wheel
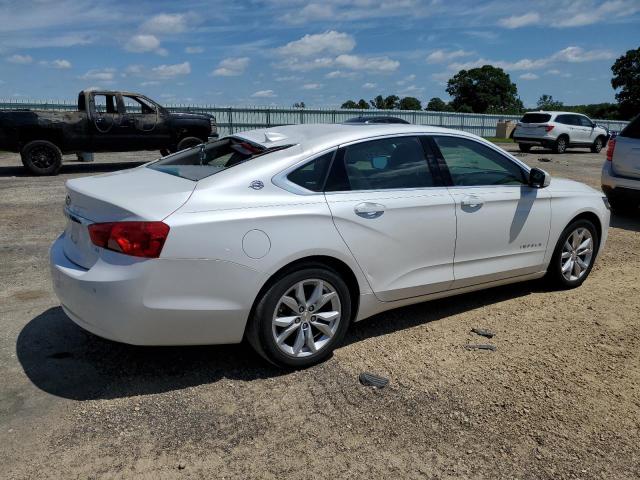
<point x="561" y="144"/>
<point x="574" y="255"/>
<point x="301" y="318"/>
<point x="41" y="157"/>
<point x="597" y="145"/>
<point x="524" y="147"/>
<point x="188" y="142"/>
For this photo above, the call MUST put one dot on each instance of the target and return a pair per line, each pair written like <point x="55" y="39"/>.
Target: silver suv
<point x="559" y="131"/>
<point x="621" y="171"/>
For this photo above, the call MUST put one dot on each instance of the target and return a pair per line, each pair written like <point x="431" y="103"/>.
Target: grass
<point x="499" y="140"/>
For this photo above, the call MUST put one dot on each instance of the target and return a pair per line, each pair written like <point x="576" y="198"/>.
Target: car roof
<point x="375" y="119"/>
<point x="556" y="112"/>
<point x="320" y="136"/>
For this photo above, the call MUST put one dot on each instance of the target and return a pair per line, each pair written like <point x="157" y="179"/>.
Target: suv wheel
<point x="561" y="144"/>
<point x="41" y="157"/>
<point x="574" y="255"/>
<point x="524" y="147"/>
<point x="301" y="318"/>
<point x="597" y="145"/>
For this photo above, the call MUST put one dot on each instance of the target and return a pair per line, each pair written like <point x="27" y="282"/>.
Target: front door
<point x="395" y="216"/>
<point x="502" y="223"/>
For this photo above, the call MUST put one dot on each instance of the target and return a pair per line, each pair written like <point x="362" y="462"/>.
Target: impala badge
<point x="256" y="185"/>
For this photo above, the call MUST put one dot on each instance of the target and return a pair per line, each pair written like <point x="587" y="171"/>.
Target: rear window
<point x="535" y="118"/>
<point x="633" y="129"/>
<point x="207" y="159"/>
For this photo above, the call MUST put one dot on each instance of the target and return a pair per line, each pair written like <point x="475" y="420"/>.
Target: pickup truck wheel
<point x="188" y="142"/>
<point x="41" y="157"/>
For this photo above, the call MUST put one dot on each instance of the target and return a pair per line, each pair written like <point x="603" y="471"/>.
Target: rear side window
<point x="208" y="158"/>
<point x="473" y="164"/>
<point x="382" y="164"/>
<point x="535" y="118"/>
<point x="311" y="176"/>
<point x="633" y="129"/>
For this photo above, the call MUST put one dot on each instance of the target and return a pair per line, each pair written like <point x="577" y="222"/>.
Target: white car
<point x="621" y="171"/>
<point x="287" y="235"/>
<point x="559" y="131"/>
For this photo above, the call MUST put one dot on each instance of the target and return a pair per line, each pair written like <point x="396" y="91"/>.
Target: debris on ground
<point x="483" y="332"/>
<point x="371" y="380"/>
<point x="480" y="347"/>
<point x="544" y="159"/>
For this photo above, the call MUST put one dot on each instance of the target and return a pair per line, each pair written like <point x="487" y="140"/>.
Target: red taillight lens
<point x="138" y="239"/>
<point x="548" y="128"/>
<point x="610" y="148"/>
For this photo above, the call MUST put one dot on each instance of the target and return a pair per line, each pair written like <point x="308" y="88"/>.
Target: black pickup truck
<point x="106" y="121"/>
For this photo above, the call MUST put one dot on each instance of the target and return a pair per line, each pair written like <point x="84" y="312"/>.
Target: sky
<point x="277" y="52"/>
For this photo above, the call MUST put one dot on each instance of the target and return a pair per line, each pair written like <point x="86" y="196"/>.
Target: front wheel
<point x="597" y="145"/>
<point x="574" y="255"/>
<point x="41" y="157"/>
<point x="301" y="318"/>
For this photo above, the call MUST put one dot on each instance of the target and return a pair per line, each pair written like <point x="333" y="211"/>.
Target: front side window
<point x="136" y="105"/>
<point x="383" y="164"/>
<point x="206" y="159"/>
<point x="585" y="122"/>
<point x="473" y="164"/>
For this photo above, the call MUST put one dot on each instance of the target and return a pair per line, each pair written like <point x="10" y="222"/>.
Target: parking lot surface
<point x="559" y="398"/>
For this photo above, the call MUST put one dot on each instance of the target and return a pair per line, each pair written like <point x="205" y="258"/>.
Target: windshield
<point x="208" y="158"/>
<point x="535" y="118"/>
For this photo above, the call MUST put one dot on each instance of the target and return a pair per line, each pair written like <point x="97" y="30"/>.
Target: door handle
<point x="471" y="201"/>
<point x="369" y="210"/>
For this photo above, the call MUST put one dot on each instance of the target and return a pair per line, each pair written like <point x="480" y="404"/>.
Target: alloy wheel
<point x="42" y="157"/>
<point x="577" y="254"/>
<point x="306" y="318"/>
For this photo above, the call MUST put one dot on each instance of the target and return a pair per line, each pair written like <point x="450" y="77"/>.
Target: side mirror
<point x="539" y="178"/>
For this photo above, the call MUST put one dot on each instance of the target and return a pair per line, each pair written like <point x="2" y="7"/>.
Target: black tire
<point x="597" y="145"/>
<point x="188" y="142"/>
<point x="524" y="147"/>
<point x="554" y="271"/>
<point x="41" y="157"/>
<point x="259" y="331"/>
<point x="561" y="144"/>
<point x="165" y="151"/>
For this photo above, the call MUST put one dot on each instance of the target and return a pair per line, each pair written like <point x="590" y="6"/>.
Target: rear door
<point x="395" y="216"/>
<point x="502" y="223"/>
<point x="626" y="155"/>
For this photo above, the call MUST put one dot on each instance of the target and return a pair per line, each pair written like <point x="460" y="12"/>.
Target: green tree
<point x="626" y="79"/>
<point x="299" y="105"/>
<point x="360" y="105"/>
<point x="350" y="104"/>
<point x="546" y="102"/>
<point x="436" y="104"/>
<point x="410" y="103"/>
<point x="392" y="102"/>
<point x="484" y="89"/>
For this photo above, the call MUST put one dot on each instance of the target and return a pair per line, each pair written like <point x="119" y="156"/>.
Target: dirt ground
<point x="559" y="398"/>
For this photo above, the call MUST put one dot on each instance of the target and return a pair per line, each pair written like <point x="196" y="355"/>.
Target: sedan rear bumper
<point x="156" y="301"/>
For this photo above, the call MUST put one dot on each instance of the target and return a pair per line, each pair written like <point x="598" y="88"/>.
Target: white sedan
<point x="287" y="235"/>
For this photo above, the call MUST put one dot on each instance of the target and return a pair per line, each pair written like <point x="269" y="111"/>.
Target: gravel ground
<point x="559" y="398"/>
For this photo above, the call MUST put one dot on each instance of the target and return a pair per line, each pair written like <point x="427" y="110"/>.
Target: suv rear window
<point x="633" y="129"/>
<point x="535" y="118"/>
<point x="208" y="158"/>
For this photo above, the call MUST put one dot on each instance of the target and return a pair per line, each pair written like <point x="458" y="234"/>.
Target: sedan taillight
<point x="138" y="239"/>
<point x="610" y="148"/>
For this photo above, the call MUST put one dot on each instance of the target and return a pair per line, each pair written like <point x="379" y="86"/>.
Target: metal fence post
<point x="230" y="115"/>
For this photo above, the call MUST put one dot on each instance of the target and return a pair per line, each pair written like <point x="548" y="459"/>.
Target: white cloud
<point x="20" y="59"/>
<point x="529" y="76"/>
<point x="170" y="71"/>
<point x="149" y="83"/>
<point x="193" y="50"/>
<point x="405" y="80"/>
<point x="412" y="90"/>
<point x="579" y="14"/>
<point x="313" y="11"/>
<point x="231" y="67"/>
<point x="297" y="65"/>
<point x="142" y="43"/>
<point x="287" y="78"/>
<point x="166" y="23"/>
<point x="442" y="56"/>
<point x="312" y="86"/>
<point x="579" y="55"/>
<point x="103" y="75"/>
<point x="58" y="64"/>
<point x="371" y="64"/>
<point x="517" y="21"/>
<point x="369" y="85"/>
<point x="340" y="74"/>
<point x="264" y="94"/>
<point x="330" y="42"/>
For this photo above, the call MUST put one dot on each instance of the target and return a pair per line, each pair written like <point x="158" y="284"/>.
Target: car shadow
<point x="71" y="168"/>
<point x="62" y="359"/>
<point x="627" y="221"/>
